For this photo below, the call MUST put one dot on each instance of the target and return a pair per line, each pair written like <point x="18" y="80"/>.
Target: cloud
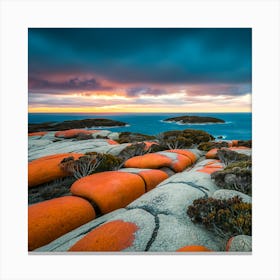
<point x="136" y="91"/>
<point x="139" y="67"/>
<point x="71" y="84"/>
<point x="145" y="55"/>
<point x="219" y="89"/>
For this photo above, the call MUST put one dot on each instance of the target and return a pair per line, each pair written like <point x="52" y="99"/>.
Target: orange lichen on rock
<point x="153" y="161"/>
<point x="229" y="243"/>
<point x="239" y="148"/>
<point x="53" y="218"/>
<point x="152" y="178"/>
<point x="110" y="190"/>
<point x="186" y="153"/>
<point x="234" y="143"/>
<point x="112" y="142"/>
<point x="212" y="154"/>
<point x="40" y="133"/>
<point x="112" y="236"/>
<point x="148" y="144"/>
<point x="71" y="133"/>
<point x="210" y="168"/>
<point x="175" y="161"/>
<point x="46" y="169"/>
<point x="194" y="248"/>
<point x="181" y="163"/>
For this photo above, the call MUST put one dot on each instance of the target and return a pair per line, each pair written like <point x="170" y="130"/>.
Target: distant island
<point x="194" y="119"/>
<point x="86" y="123"/>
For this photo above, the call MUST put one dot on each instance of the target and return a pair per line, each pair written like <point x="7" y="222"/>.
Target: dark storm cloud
<point x="153" y="55"/>
<point x="72" y="84"/>
<point x="136" y="91"/>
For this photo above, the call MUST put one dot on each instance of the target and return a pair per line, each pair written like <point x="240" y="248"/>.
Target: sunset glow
<point x="145" y="70"/>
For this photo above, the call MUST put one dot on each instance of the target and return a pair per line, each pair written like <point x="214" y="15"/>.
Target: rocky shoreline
<point x="72" y="124"/>
<point x="194" y="120"/>
<point x="90" y="187"/>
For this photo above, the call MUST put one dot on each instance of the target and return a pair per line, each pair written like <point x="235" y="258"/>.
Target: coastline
<point x="138" y="176"/>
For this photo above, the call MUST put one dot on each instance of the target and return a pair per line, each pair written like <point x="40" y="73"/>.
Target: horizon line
<point x="97" y="113"/>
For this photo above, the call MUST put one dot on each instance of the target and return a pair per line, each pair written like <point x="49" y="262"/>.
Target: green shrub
<point x="108" y="163"/>
<point x="180" y="139"/>
<point x="133" y="150"/>
<point x="236" y="176"/>
<point x="245" y="143"/>
<point x="89" y="163"/>
<point x="240" y="164"/>
<point x="226" y="217"/>
<point x="227" y="156"/>
<point x="132" y="137"/>
<point x="207" y="146"/>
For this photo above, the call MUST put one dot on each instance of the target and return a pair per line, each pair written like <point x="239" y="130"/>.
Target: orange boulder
<point x="234" y="143"/>
<point x="46" y="169"/>
<point x="173" y="160"/>
<point x="211" y="167"/>
<point x="112" y="236"/>
<point x="71" y="133"/>
<point x="239" y="148"/>
<point x="186" y="153"/>
<point x="153" y="161"/>
<point x="212" y="154"/>
<point x="152" y="178"/>
<point x="40" y="133"/>
<point x="181" y="163"/>
<point x="110" y="190"/>
<point x="194" y="248"/>
<point x="51" y="219"/>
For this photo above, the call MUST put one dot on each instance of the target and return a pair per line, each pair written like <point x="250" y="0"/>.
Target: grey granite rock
<point x="172" y="199"/>
<point x="226" y="194"/>
<point x="241" y="243"/>
<point x="69" y="146"/>
<point x="114" y="135"/>
<point x="175" y="233"/>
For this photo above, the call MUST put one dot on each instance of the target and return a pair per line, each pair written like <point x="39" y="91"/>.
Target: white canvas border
<point x="17" y="16"/>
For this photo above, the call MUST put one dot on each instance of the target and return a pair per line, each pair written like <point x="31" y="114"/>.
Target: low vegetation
<point x="236" y="176"/>
<point x="90" y="163"/>
<point x="225" y="217"/>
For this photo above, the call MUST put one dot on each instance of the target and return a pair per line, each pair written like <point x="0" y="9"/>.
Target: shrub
<point x="137" y="149"/>
<point x="81" y="167"/>
<point x="56" y="188"/>
<point x="132" y="137"/>
<point x="90" y="163"/>
<point x="179" y="142"/>
<point x="225" y="217"/>
<point x="236" y="176"/>
<point x="179" y="139"/>
<point x="108" y="163"/>
<point x="245" y="143"/>
<point x="207" y="146"/>
<point x="227" y="156"/>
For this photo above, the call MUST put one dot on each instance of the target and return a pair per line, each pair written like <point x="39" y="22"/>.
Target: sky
<point x="101" y="70"/>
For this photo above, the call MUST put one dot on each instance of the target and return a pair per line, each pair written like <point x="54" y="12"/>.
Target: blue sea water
<point x="236" y="126"/>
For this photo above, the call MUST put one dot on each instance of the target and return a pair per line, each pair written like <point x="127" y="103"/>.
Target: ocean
<point x="237" y="125"/>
